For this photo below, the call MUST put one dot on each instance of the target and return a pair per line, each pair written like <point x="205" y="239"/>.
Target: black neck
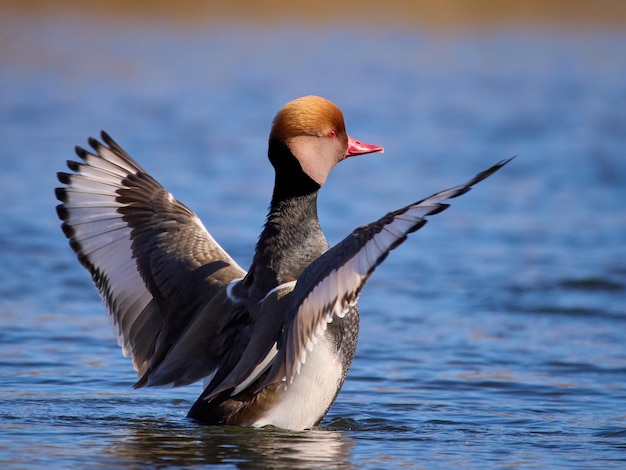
<point x="292" y="236"/>
<point x="290" y="180"/>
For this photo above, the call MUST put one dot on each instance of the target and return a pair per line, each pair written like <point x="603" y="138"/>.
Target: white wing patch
<point x="285" y="285"/>
<point x="229" y="292"/>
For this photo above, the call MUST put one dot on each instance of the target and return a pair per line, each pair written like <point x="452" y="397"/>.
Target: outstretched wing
<point x="332" y="283"/>
<point x="150" y="257"/>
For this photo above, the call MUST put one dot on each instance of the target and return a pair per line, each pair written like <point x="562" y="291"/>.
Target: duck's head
<point x="313" y="130"/>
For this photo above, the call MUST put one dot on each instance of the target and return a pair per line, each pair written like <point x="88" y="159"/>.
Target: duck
<point x="272" y="345"/>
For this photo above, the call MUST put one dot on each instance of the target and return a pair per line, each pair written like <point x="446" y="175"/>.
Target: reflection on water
<point x="492" y="338"/>
<point x="155" y="444"/>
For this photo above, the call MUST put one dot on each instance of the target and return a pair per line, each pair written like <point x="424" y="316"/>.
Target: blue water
<point x="493" y="338"/>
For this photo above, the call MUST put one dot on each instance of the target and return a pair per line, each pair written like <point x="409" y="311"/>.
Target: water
<point x="493" y="338"/>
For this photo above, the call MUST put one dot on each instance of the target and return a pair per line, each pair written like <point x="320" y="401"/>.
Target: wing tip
<point x="106" y="138"/>
<point x="503" y="162"/>
<point x="81" y="152"/>
<point x="142" y="382"/>
<point x="491" y="170"/>
<point x="62" y="212"/>
<point x="465" y="188"/>
<point x="64" y="178"/>
<point x="61" y="193"/>
<point x="94" y="143"/>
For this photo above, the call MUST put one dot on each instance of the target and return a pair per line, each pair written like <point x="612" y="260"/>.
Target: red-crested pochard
<point x="273" y="344"/>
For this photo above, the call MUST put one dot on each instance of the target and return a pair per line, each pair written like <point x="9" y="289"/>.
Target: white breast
<point x="311" y="393"/>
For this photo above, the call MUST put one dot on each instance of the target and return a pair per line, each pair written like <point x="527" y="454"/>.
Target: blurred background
<point x="492" y="338"/>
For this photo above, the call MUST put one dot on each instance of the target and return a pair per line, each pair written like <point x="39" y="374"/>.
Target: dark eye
<point x="332" y="134"/>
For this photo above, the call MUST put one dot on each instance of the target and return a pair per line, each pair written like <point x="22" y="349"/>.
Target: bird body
<point x="272" y="344"/>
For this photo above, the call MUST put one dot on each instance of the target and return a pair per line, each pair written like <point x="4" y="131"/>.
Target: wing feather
<point x="150" y="257"/>
<point x="332" y="283"/>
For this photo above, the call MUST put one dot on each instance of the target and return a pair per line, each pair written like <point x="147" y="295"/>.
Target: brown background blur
<point x="452" y="13"/>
